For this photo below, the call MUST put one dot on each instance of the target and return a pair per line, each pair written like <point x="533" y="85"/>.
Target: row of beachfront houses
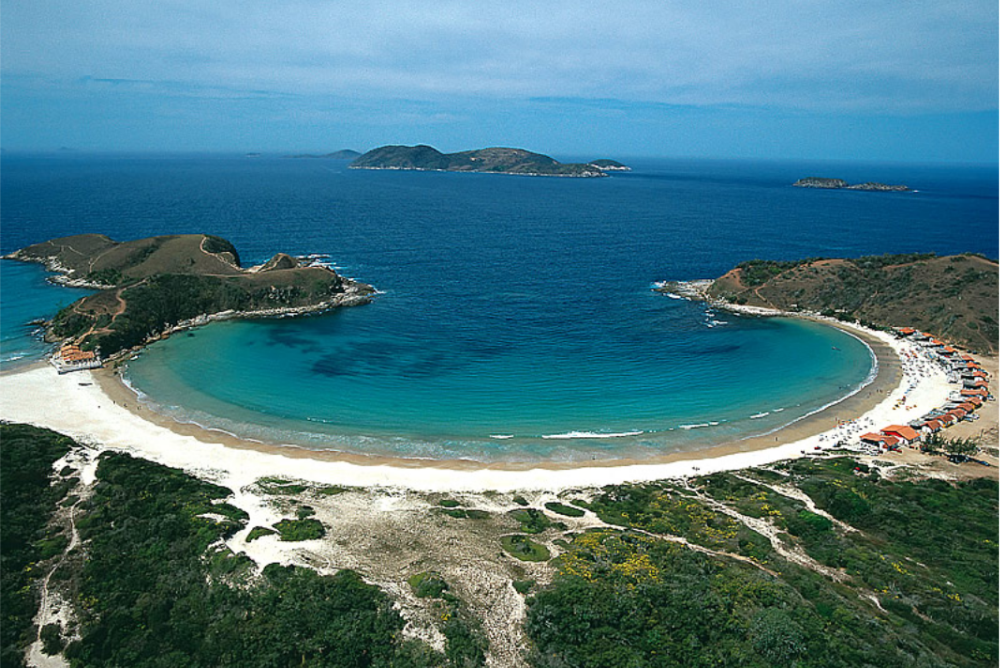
<point x="961" y="405"/>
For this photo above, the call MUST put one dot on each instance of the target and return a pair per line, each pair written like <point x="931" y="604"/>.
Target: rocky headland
<point x="150" y="287"/>
<point x="953" y="297"/>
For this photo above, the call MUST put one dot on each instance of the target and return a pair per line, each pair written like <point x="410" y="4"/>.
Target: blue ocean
<point x="515" y="318"/>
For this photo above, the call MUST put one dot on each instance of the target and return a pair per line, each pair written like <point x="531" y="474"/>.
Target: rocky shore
<point x="62" y="275"/>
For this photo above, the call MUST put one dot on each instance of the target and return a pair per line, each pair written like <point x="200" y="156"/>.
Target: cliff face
<point x="498" y="160"/>
<point x="951" y="297"/>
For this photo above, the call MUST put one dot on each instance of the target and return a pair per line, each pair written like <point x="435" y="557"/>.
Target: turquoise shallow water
<point x="27" y="297"/>
<point x="334" y="382"/>
<point x="516" y="320"/>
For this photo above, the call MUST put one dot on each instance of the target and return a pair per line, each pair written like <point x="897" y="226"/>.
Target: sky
<point x="789" y="79"/>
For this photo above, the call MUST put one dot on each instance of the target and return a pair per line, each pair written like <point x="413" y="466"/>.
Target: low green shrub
<point x="563" y="509"/>
<point x="296" y="530"/>
<point x="524" y="548"/>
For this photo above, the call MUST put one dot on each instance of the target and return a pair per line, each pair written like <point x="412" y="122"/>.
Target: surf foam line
<point x="592" y="434"/>
<point x="699" y="425"/>
<point x="869" y="379"/>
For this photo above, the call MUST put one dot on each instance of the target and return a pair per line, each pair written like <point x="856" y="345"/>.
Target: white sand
<point x="41" y="397"/>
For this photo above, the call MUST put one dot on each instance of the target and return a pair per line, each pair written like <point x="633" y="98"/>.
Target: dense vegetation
<point x="952" y="297"/>
<point x="153" y="284"/>
<point x="630" y="598"/>
<point x="163" y="301"/>
<point x="158" y="588"/>
<point x="879" y="572"/>
<point x="563" y="509"/>
<point x="497" y="160"/>
<point x="26" y="458"/>
<point x="758" y="272"/>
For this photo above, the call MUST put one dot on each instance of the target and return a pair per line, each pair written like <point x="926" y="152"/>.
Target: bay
<point x="516" y="312"/>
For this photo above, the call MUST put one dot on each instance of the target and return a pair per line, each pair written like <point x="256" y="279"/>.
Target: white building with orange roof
<point x="906" y="435"/>
<point x="71" y="358"/>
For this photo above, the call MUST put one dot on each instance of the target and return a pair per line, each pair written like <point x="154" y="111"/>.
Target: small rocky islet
<point x="840" y="184"/>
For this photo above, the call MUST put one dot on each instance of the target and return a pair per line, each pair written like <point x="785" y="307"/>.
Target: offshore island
<point x="129" y="538"/>
<point x="824" y="183"/>
<point x="497" y="160"/>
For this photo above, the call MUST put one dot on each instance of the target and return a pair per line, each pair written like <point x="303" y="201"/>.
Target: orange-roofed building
<point x="976" y="392"/>
<point x="902" y="432"/>
<point x="71" y="358"/>
<point x="947" y="419"/>
<point x="72" y="353"/>
<point x="933" y="426"/>
<point x="906" y="331"/>
<point x="876" y="439"/>
<point x="958" y="413"/>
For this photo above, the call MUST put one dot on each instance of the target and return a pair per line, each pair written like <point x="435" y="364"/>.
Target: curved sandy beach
<point x="91" y="407"/>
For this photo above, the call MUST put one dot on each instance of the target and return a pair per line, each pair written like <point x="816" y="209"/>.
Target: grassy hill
<point x="150" y="285"/>
<point x="953" y="297"/>
<point x="95" y="258"/>
<point x="494" y="160"/>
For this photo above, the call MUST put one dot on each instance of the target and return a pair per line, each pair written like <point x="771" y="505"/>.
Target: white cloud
<point x="894" y="57"/>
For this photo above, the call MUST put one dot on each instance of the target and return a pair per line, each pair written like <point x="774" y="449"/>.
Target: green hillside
<point x="953" y="297"/>
<point x="150" y="285"/>
<point x="95" y="258"/>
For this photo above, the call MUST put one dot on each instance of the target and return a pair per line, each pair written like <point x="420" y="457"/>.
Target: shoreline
<point x="354" y="293"/>
<point x="860" y="401"/>
<point x="91" y="406"/>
